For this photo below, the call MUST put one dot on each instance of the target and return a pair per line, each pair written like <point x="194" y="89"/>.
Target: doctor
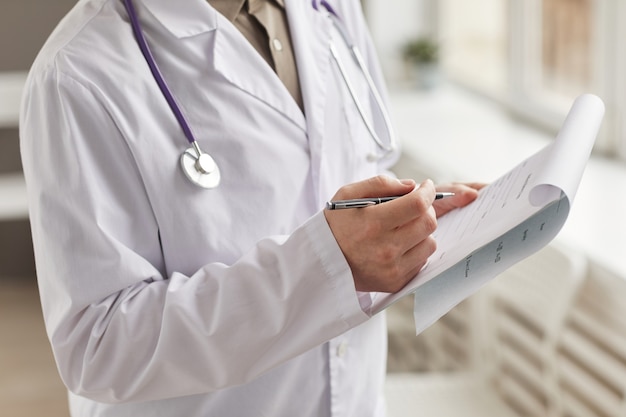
<point x="215" y="285"/>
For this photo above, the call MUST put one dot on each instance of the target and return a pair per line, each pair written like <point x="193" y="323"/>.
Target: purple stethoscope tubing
<point x="147" y="53"/>
<point x="199" y="167"/>
<point x="326" y="5"/>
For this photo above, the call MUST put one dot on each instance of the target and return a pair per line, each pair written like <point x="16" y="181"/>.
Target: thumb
<point x="379" y="186"/>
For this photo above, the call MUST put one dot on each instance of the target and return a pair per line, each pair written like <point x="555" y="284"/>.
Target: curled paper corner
<point x="592" y="100"/>
<point x="542" y="194"/>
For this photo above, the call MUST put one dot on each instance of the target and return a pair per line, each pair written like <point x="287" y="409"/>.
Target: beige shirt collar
<point x="231" y="8"/>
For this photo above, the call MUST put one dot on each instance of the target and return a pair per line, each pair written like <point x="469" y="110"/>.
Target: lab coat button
<point x="342" y="349"/>
<point x="278" y="45"/>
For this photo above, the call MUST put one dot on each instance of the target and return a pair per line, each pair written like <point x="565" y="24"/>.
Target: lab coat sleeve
<point x="120" y="330"/>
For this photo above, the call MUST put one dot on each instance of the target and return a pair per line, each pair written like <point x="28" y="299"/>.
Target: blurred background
<point x="474" y="87"/>
<point x="29" y="384"/>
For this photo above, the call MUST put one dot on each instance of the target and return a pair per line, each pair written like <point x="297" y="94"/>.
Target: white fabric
<point x="164" y="299"/>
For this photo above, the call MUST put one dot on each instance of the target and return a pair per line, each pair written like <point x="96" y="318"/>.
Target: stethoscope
<point x="199" y="167"/>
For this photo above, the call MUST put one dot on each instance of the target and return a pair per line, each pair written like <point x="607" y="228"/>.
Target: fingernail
<point x="407" y="182"/>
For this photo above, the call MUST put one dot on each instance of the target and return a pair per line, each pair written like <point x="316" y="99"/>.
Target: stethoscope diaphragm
<point x="200" y="168"/>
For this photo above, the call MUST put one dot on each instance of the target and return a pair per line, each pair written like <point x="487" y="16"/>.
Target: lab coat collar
<point x="184" y="18"/>
<point x="228" y="8"/>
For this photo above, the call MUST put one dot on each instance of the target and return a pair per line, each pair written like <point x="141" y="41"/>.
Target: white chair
<point x="515" y="336"/>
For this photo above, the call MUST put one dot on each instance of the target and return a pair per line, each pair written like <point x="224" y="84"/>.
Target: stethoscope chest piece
<point x="200" y="168"/>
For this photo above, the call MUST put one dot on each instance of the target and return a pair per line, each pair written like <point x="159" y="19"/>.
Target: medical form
<point x="512" y="218"/>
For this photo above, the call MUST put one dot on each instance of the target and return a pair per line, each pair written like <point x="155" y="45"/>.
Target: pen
<point x="366" y="202"/>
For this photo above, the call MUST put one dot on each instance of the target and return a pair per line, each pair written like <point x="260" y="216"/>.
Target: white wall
<point x="393" y="22"/>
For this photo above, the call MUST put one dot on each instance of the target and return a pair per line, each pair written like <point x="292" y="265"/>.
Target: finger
<point x="407" y="208"/>
<point x="379" y="186"/>
<point x="412" y="233"/>
<point x="459" y="187"/>
<point x="412" y="262"/>
<point x="420" y="254"/>
<point x="476" y="185"/>
<point x="463" y="195"/>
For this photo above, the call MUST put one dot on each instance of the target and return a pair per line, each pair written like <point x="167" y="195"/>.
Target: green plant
<point x="421" y="50"/>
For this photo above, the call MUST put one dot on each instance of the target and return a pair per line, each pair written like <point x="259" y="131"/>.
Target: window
<point x="537" y="56"/>
<point x="566" y="46"/>
<point x="473" y="37"/>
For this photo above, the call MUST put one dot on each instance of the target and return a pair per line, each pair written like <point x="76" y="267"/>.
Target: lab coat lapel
<point x="240" y="64"/>
<point x="311" y="35"/>
<point x="232" y="55"/>
<point x="192" y="17"/>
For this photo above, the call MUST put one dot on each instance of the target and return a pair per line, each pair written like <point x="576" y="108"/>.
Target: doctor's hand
<point x="386" y="245"/>
<point x="464" y="193"/>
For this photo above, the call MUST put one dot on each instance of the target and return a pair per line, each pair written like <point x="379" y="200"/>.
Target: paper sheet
<point x="511" y="219"/>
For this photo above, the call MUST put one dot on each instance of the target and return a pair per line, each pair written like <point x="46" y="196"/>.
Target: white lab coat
<point x="162" y="298"/>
